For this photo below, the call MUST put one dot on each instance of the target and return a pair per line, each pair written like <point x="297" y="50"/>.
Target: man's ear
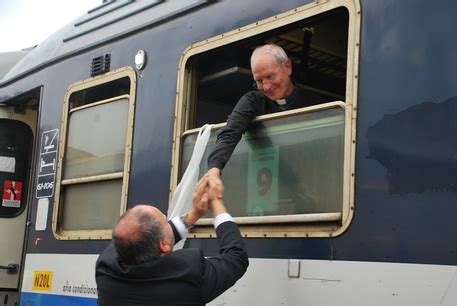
<point x="165" y="247"/>
<point x="288" y="66"/>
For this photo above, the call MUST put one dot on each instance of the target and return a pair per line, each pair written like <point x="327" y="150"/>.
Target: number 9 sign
<point x="263" y="170"/>
<point x="264" y="179"/>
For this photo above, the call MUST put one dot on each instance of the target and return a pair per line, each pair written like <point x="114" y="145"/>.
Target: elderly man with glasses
<point x="272" y="71"/>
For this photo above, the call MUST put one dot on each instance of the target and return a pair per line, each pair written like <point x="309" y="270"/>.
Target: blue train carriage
<point x="349" y="202"/>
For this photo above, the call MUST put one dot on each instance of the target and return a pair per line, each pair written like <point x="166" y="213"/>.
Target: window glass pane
<point x="96" y="140"/>
<point x="284" y="166"/>
<point x="91" y="206"/>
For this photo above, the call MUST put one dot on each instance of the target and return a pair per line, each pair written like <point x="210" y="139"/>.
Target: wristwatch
<point x="183" y="220"/>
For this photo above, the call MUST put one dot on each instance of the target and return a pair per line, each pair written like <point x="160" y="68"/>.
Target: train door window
<point x="16" y="139"/>
<point x="96" y="139"/>
<point x="292" y="171"/>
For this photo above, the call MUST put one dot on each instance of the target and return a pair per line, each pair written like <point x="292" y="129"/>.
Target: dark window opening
<point x="317" y="47"/>
<point x="101" y="92"/>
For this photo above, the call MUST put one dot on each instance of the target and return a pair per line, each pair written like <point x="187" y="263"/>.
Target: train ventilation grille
<point x="100" y="64"/>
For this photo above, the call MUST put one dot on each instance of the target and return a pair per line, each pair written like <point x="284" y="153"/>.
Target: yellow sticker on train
<point x="42" y="280"/>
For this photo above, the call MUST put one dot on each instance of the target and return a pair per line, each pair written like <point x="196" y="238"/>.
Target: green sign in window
<point x="262" y="188"/>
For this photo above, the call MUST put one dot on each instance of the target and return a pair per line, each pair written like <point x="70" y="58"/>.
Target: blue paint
<point x="39" y="299"/>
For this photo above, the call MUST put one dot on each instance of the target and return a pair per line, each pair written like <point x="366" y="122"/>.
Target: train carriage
<point x="350" y="201"/>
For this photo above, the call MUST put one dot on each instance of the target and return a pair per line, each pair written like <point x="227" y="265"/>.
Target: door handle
<point x="11" y="268"/>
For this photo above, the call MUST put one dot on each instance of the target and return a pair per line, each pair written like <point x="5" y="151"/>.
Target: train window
<point x="279" y="166"/>
<point x="95" y="156"/>
<point x="293" y="170"/>
<point x="16" y="139"/>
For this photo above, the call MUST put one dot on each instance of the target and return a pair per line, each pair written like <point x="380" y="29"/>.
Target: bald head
<point x="133" y="222"/>
<point x="139" y="233"/>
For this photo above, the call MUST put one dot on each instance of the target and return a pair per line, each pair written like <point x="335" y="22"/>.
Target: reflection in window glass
<point x="284" y="166"/>
<point x="96" y="140"/>
<point x="93" y="173"/>
<point x="91" y="206"/>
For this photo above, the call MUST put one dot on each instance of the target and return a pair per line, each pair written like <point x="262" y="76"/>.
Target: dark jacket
<point x="251" y="105"/>
<point x="183" y="277"/>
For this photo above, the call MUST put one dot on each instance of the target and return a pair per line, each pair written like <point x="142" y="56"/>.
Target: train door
<point x="18" y="118"/>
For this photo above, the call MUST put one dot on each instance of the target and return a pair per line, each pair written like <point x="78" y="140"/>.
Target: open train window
<point x="96" y="139"/>
<point x="291" y="175"/>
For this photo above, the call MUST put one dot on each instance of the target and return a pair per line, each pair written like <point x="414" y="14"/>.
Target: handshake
<point x="207" y="196"/>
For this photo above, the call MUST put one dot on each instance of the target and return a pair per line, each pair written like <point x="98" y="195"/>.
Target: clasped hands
<point x="208" y="196"/>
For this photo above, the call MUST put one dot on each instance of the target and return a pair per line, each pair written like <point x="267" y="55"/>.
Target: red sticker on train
<point x="12" y="194"/>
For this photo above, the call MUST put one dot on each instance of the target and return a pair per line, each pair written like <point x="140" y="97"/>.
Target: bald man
<point x="140" y="268"/>
<point x="272" y="70"/>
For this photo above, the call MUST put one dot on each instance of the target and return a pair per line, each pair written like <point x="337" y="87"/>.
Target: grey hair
<point x="274" y="50"/>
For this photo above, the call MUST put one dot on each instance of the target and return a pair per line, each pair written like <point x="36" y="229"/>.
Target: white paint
<point x="330" y="283"/>
<point x="70" y="270"/>
<point x="7" y="164"/>
<point x="42" y="214"/>
<point x="294" y="268"/>
<point x="266" y="282"/>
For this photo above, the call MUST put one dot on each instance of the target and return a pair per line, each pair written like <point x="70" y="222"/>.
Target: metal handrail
<point x="11" y="268"/>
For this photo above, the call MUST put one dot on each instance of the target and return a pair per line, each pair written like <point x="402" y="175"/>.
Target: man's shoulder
<point x="309" y="97"/>
<point x="255" y="94"/>
<point x="189" y="261"/>
<point x="108" y="254"/>
<point x="252" y="102"/>
<point x="184" y="255"/>
<point x="107" y="261"/>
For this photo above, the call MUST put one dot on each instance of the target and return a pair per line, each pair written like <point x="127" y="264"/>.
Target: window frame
<point x="184" y="114"/>
<point x="114" y="75"/>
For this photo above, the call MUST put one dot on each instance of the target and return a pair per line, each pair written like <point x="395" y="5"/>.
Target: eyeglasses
<point x="258" y="84"/>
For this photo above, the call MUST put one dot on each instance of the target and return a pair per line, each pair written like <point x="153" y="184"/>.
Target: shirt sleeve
<point x="179" y="229"/>
<point x="221" y="218"/>
<point x="247" y="108"/>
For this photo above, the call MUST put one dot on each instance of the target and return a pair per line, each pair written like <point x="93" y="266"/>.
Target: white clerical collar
<point x="281" y="101"/>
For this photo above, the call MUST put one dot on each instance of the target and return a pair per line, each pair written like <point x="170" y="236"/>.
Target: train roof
<point x="9" y="59"/>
